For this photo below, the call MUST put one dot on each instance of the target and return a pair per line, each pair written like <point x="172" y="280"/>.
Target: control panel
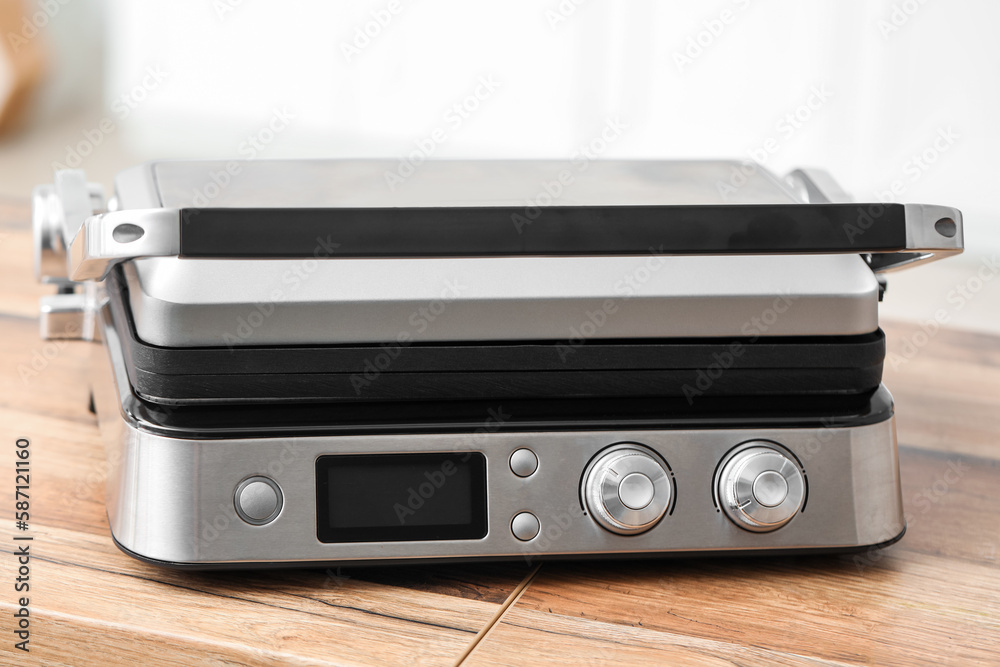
<point x="537" y="494"/>
<point x="626" y="489"/>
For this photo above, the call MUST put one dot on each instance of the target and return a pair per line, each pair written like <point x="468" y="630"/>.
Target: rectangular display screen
<point x="401" y="497"/>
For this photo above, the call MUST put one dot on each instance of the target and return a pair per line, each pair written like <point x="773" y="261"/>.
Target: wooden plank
<point x="307" y="614"/>
<point x="934" y="597"/>
<point x="19" y="292"/>
<point x="751" y="613"/>
<point x="947" y="391"/>
<point x="530" y="637"/>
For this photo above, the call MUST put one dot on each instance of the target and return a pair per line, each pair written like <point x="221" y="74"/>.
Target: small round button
<point x="760" y="487"/>
<point x="523" y="462"/>
<point x="770" y="489"/>
<point x="525" y="526"/>
<point x="258" y="500"/>
<point x="636" y="491"/>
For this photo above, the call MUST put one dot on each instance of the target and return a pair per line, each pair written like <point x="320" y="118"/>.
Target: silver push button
<point x="523" y="462"/>
<point x="627" y="489"/>
<point x="760" y="487"/>
<point x="636" y="491"/>
<point x="258" y="500"/>
<point x="770" y="489"/>
<point x="525" y="526"/>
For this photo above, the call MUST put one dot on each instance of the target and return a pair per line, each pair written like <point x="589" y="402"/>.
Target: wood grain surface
<point x="934" y="598"/>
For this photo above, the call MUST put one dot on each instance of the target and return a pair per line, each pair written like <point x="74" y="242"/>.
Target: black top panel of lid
<point x="553" y="230"/>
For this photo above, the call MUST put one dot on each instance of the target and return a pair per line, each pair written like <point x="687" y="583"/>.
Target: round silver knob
<point x="761" y="487"/>
<point x="627" y="489"/>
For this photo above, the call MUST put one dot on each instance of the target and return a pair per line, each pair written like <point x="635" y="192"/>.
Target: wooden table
<point x="932" y="598"/>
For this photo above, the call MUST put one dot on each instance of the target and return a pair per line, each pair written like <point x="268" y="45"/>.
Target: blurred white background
<point x="897" y="98"/>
